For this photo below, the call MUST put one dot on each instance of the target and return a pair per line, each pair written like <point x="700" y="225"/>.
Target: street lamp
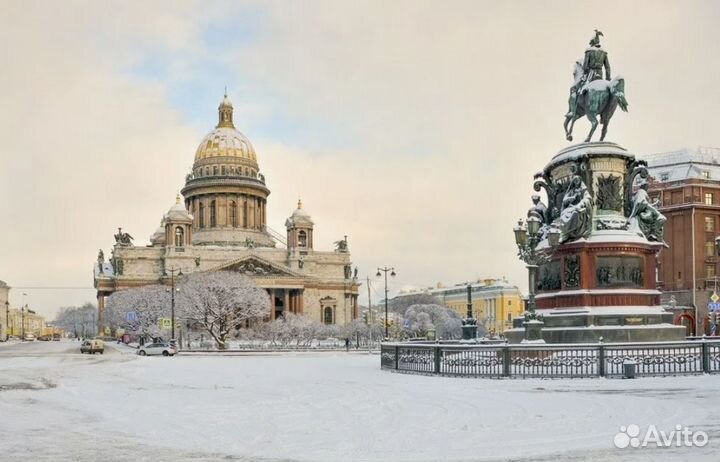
<point x="22" y="320"/>
<point x="172" y="291"/>
<point x="392" y="273"/>
<point x="7" y="320"/>
<point x="527" y="238"/>
<point x="469" y="324"/>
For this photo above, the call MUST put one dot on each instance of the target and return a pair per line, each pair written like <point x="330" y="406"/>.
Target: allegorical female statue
<point x="645" y="218"/>
<point x="575" y="219"/>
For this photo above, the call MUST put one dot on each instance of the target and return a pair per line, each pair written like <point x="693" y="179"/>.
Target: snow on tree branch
<point x="220" y="303"/>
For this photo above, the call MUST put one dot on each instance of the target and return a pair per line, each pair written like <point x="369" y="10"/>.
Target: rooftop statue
<point x="591" y="95"/>
<point x="123" y="239"/>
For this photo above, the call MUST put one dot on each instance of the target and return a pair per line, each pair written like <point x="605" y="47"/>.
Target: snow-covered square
<point x="58" y="405"/>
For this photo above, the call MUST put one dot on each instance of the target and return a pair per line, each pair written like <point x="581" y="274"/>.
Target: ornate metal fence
<point x="550" y="361"/>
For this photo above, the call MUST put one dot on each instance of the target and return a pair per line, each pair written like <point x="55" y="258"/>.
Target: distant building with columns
<point x="221" y="225"/>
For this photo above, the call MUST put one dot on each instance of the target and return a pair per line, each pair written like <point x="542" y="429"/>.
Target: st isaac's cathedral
<point x="221" y="225"/>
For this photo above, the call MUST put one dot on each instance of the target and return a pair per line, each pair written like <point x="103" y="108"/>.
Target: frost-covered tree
<point x="419" y="319"/>
<point x="149" y="304"/>
<point x="401" y="303"/>
<point x="220" y="303"/>
<point x="80" y="320"/>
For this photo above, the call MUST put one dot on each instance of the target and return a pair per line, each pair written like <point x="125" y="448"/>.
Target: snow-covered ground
<point x="58" y="405"/>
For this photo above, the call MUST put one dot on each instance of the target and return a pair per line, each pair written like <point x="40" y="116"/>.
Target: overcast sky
<point x="413" y="127"/>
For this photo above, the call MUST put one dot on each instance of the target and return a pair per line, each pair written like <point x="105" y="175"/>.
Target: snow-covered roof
<point x="701" y="163"/>
<point x="107" y="270"/>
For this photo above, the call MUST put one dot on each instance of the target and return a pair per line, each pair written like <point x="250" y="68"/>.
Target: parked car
<point x="164" y="349"/>
<point x="92" y="346"/>
<point x="29" y="337"/>
<point x="44" y="338"/>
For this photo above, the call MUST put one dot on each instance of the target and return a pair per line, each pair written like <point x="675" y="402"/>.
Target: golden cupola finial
<point x="299" y="203"/>
<point x="225" y="113"/>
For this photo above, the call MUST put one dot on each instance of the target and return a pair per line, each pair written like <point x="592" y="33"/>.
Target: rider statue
<point x="592" y="67"/>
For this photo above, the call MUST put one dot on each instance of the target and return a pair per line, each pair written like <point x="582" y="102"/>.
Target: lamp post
<point x="392" y="273"/>
<point x="22" y="321"/>
<point x="469" y="324"/>
<point x="527" y="238"/>
<point x="172" y="298"/>
<point x="7" y="320"/>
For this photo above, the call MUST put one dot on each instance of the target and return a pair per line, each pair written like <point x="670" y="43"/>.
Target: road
<point x="59" y="405"/>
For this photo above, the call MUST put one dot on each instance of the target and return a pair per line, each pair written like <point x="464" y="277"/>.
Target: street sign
<point x="165" y="323"/>
<point x="713" y="306"/>
<point x="714" y="297"/>
<point x="131" y="316"/>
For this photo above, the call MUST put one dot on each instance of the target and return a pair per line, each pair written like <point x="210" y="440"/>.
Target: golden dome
<point x="225" y="140"/>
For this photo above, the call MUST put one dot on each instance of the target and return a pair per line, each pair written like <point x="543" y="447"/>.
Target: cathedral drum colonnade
<point x="222" y="226"/>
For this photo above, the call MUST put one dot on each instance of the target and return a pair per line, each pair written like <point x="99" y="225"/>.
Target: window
<point x="709" y="198"/>
<point x="233" y="214"/>
<point x="709" y="249"/>
<point x="179" y="235"/>
<point x="223" y="170"/>
<point x="664" y="176"/>
<point x="213" y="220"/>
<point x="302" y="239"/>
<point x="328" y="317"/>
<point x="706" y="174"/>
<point x="710" y="224"/>
<point x="709" y="271"/>
<point x="202" y="215"/>
<point x="207" y="171"/>
<point x="215" y="170"/>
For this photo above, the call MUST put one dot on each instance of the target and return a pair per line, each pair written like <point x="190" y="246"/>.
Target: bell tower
<point x="300" y="229"/>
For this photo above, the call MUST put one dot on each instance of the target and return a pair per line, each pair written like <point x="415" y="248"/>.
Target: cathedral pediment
<point x="254" y="266"/>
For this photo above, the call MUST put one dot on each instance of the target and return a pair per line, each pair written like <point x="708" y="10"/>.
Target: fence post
<point x="397" y="356"/>
<point x="601" y="358"/>
<point x="437" y="359"/>
<point x="705" y="356"/>
<point x="506" y="360"/>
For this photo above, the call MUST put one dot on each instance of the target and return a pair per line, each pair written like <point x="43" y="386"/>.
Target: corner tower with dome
<point x="222" y="225"/>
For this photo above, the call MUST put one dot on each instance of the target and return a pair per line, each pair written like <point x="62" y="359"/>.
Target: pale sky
<point x="413" y="127"/>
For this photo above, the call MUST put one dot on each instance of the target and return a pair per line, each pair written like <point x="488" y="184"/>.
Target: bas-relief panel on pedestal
<point x="549" y="276"/>
<point x="619" y="271"/>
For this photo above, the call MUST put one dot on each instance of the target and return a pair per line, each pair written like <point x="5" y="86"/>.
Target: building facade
<point x="24" y="321"/>
<point x="4" y="307"/>
<point x="495" y="302"/>
<point x="221" y="225"/>
<point x="686" y="184"/>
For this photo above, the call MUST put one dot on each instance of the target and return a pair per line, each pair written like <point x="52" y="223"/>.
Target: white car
<point x="150" y="349"/>
<point x="29" y="337"/>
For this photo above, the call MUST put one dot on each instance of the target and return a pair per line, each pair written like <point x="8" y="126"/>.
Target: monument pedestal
<point x="600" y="281"/>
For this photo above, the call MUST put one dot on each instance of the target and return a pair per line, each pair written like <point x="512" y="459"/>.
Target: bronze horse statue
<point x="599" y="97"/>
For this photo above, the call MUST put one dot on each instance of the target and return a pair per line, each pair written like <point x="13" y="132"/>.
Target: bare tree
<point x="220" y="303"/>
<point x="148" y="304"/>
<point x="401" y="303"/>
<point x="77" y="319"/>
<point x="419" y="319"/>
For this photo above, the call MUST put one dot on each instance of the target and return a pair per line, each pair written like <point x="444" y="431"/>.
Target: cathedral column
<point x="272" y="304"/>
<point x="301" y="302"/>
<point x="286" y="299"/>
<point x="101" y="312"/>
<point x="257" y="213"/>
<point x="264" y="212"/>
